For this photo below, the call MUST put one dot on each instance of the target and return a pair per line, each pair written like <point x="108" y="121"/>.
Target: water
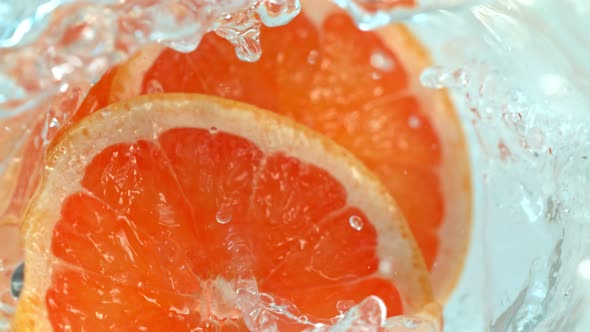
<point x="224" y="216"/>
<point x="516" y="68"/>
<point x="520" y="79"/>
<point x="374" y="14"/>
<point x="356" y="223"/>
<point x="80" y="42"/>
<point x="16" y="280"/>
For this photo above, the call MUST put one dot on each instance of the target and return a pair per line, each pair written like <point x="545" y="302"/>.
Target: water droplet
<point x="54" y="123"/>
<point x="356" y="222"/>
<point x="312" y="57"/>
<point x="154" y="86"/>
<point x="16" y="280"/>
<point x="248" y="47"/>
<point x="275" y="13"/>
<point x="303" y="319"/>
<point x="414" y="122"/>
<point x="213" y="130"/>
<point x="515" y="117"/>
<point x="381" y="61"/>
<point x="224" y="216"/>
<point x="344" y="305"/>
<point x="243" y="32"/>
<point x="385" y="268"/>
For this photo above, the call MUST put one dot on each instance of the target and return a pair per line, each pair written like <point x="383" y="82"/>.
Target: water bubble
<point x="16" y="280"/>
<point x="381" y="61"/>
<point x="356" y="222"/>
<point x="303" y="319"/>
<point x="344" y="305"/>
<point x="224" y="216"/>
<point x="275" y="13"/>
<point x="213" y="130"/>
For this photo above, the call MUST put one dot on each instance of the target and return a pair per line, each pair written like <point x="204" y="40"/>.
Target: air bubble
<point x="213" y="130"/>
<point x="223" y="216"/>
<point x="356" y="222"/>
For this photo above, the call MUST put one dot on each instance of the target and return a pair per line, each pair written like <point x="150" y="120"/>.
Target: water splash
<point x="79" y="42"/>
<point x="529" y="131"/>
<point x="370" y="15"/>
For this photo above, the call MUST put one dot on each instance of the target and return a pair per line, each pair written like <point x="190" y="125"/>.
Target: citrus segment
<point x="158" y="212"/>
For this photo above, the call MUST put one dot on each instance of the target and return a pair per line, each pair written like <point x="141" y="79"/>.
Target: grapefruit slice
<point x="170" y="212"/>
<point x="361" y="89"/>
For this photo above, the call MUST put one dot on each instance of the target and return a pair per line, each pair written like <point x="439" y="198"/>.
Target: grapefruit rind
<point x="454" y="170"/>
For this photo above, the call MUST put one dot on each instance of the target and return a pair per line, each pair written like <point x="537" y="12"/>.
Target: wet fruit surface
<point x="178" y="230"/>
